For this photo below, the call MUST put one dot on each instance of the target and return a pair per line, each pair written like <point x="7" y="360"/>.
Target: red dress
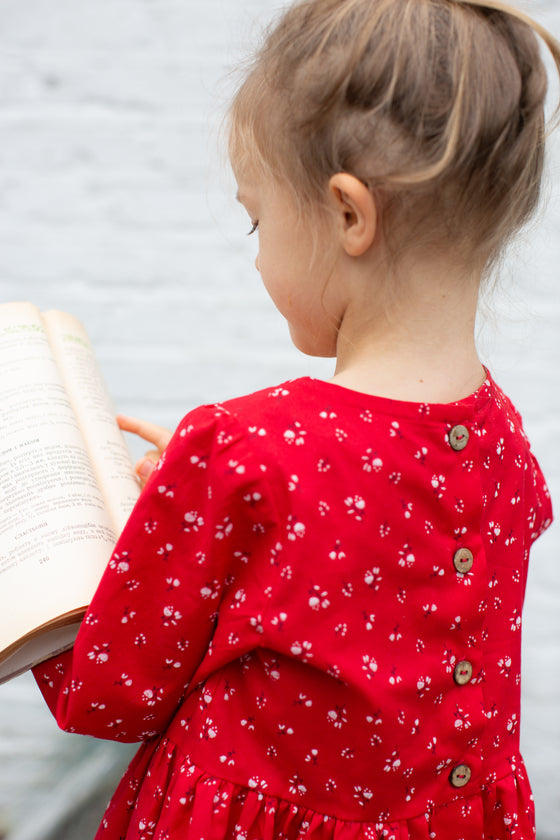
<point x="313" y="621"/>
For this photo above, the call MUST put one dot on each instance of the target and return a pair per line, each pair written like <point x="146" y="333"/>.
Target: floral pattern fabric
<point x="313" y="622"/>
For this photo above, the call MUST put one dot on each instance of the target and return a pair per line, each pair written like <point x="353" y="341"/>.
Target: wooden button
<point x="463" y="560"/>
<point x="460" y="776"/>
<point x="463" y="672"/>
<point x="458" y="438"/>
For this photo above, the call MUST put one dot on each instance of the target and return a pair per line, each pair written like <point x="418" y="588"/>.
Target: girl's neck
<point x="422" y="347"/>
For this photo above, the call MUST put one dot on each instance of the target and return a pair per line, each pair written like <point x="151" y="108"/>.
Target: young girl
<point x="312" y="618"/>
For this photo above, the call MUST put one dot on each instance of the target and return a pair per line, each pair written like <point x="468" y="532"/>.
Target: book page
<point x="45" y="642"/>
<point x="94" y="409"/>
<point x="55" y="533"/>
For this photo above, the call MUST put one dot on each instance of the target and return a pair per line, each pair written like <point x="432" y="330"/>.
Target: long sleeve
<point x="151" y="621"/>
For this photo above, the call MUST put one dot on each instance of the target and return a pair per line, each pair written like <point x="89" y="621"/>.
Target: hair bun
<point x="438" y="105"/>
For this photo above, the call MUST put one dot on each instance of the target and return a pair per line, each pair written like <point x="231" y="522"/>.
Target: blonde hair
<point x="437" y="105"/>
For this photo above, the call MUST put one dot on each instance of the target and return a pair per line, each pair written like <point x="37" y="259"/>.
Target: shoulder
<point x="505" y="429"/>
<point x="504" y="422"/>
<point x="271" y="404"/>
<point x="212" y="470"/>
<point x="236" y="442"/>
<point x="251" y="419"/>
<point x="246" y="445"/>
<point x="503" y="405"/>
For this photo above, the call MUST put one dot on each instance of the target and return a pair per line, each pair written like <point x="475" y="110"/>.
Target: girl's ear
<point x="356" y="210"/>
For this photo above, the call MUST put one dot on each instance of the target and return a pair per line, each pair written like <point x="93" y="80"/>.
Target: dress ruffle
<point x="163" y="795"/>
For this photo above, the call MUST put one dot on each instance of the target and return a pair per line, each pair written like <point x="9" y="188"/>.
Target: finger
<point x="144" y="468"/>
<point x="150" y="432"/>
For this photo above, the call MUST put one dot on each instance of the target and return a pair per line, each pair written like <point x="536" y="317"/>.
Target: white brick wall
<point x="114" y="205"/>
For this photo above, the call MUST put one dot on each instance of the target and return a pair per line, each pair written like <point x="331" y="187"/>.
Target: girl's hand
<point x="156" y="435"/>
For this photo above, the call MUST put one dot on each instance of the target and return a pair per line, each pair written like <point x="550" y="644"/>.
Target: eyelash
<point x="254" y="228"/>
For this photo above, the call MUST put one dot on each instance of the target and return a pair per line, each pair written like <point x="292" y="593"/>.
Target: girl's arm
<point x="152" y="618"/>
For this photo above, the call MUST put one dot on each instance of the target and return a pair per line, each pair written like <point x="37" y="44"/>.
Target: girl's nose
<point x="257" y="266"/>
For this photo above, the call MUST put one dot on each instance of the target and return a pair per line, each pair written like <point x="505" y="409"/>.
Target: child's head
<point x="437" y="105"/>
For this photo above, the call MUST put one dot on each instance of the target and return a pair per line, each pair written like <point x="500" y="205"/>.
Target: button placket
<point x="463" y="561"/>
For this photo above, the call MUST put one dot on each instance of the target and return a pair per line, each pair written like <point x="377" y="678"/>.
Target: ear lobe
<point x="355" y="207"/>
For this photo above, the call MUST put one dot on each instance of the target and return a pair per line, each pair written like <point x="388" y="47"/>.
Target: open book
<point x="67" y="483"/>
